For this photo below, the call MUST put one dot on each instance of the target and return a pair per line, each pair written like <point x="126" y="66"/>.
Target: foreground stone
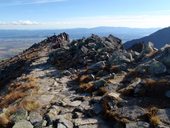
<point x="23" y="124"/>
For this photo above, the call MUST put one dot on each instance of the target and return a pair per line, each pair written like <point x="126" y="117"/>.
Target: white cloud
<point x="20" y="23"/>
<point x="134" y="21"/>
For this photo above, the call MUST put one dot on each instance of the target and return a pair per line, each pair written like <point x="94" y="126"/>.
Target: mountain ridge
<point x="159" y="38"/>
<point x="87" y="82"/>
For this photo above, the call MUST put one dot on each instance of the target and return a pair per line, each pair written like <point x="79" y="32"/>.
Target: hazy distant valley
<point x="14" y="41"/>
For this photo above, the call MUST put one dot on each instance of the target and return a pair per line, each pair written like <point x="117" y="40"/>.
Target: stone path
<point x="60" y="106"/>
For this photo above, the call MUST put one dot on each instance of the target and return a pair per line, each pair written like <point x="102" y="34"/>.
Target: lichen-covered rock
<point x="23" y="124"/>
<point x="20" y="114"/>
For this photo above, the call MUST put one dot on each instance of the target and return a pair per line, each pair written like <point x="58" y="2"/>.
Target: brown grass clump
<point x="87" y="87"/>
<point x="152" y="82"/>
<point x="17" y="90"/>
<point x="153" y="118"/>
<point x="5" y="116"/>
<point x="10" y="98"/>
<point x="4" y="120"/>
<point x="30" y="105"/>
<point x="84" y="79"/>
<point x="29" y="83"/>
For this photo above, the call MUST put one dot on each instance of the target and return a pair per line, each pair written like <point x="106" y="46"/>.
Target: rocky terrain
<point x="86" y="83"/>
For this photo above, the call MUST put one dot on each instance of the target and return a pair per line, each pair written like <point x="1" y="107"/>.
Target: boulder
<point x="164" y="115"/>
<point x="165" y="56"/>
<point x="23" y="124"/>
<point x="97" y="66"/>
<point x="20" y="114"/>
<point x="119" y="57"/>
<point x="157" y="68"/>
<point x="35" y="117"/>
<point x="131" y="112"/>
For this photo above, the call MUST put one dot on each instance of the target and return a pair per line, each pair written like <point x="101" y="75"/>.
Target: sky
<point x="58" y="14"/>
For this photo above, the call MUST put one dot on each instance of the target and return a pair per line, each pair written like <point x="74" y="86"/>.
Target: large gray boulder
<point x="120" y="57"/>
<point x="157" y="68"/>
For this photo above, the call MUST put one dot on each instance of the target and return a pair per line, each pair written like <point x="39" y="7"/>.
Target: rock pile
<point x="90" y="82"/>
<point x="128" y="82"/>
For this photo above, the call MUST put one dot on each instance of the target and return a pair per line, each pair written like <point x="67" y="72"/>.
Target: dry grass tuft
<point x="153" y="118"/>
<point x="30" y="105"/>
<point x="29" y="83"/>
<point x="152" y="82"/>
<point x="4" y="120"/>
<point x="10" y="98"/>
<point x="17" y="90"/>
<point x="87" y="87"/>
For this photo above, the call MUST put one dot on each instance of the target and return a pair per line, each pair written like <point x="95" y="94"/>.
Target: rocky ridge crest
<point x="89" y="82"/>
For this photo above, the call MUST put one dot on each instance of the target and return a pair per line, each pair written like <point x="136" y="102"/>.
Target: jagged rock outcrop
<point x="84" y="52"/>
<point x="89" y="82"/>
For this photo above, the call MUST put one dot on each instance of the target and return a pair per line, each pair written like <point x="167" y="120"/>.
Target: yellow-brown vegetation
<point x="30" y="105"/>
<point x="153" y="118"/>
<point x="10" y="98"/>
<point x="87" y="87"/>
<point x="16" y="91"/>
<point x="4" y="120"/>
<point x="153" y="83"/>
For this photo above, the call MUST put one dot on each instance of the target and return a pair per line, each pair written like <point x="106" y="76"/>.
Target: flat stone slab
<point x="88" y="121"/>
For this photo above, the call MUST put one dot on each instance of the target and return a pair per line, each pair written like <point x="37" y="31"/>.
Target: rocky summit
<point x="86" y="83"/>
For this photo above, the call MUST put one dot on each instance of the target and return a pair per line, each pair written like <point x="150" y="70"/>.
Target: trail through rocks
<point x="62" y="105"/>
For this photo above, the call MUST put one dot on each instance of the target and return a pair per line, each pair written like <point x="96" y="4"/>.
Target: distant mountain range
<point x="14" y="41"/>
<point x="122" y="32"/>
<point x="159" y="38"/>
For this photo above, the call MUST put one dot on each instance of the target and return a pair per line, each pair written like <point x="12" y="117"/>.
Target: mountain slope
<point x="159" y="38"/>
<point x="86" y="83"/>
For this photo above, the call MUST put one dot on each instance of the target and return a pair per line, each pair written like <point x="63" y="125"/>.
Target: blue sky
<point x="56" y="14"/>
